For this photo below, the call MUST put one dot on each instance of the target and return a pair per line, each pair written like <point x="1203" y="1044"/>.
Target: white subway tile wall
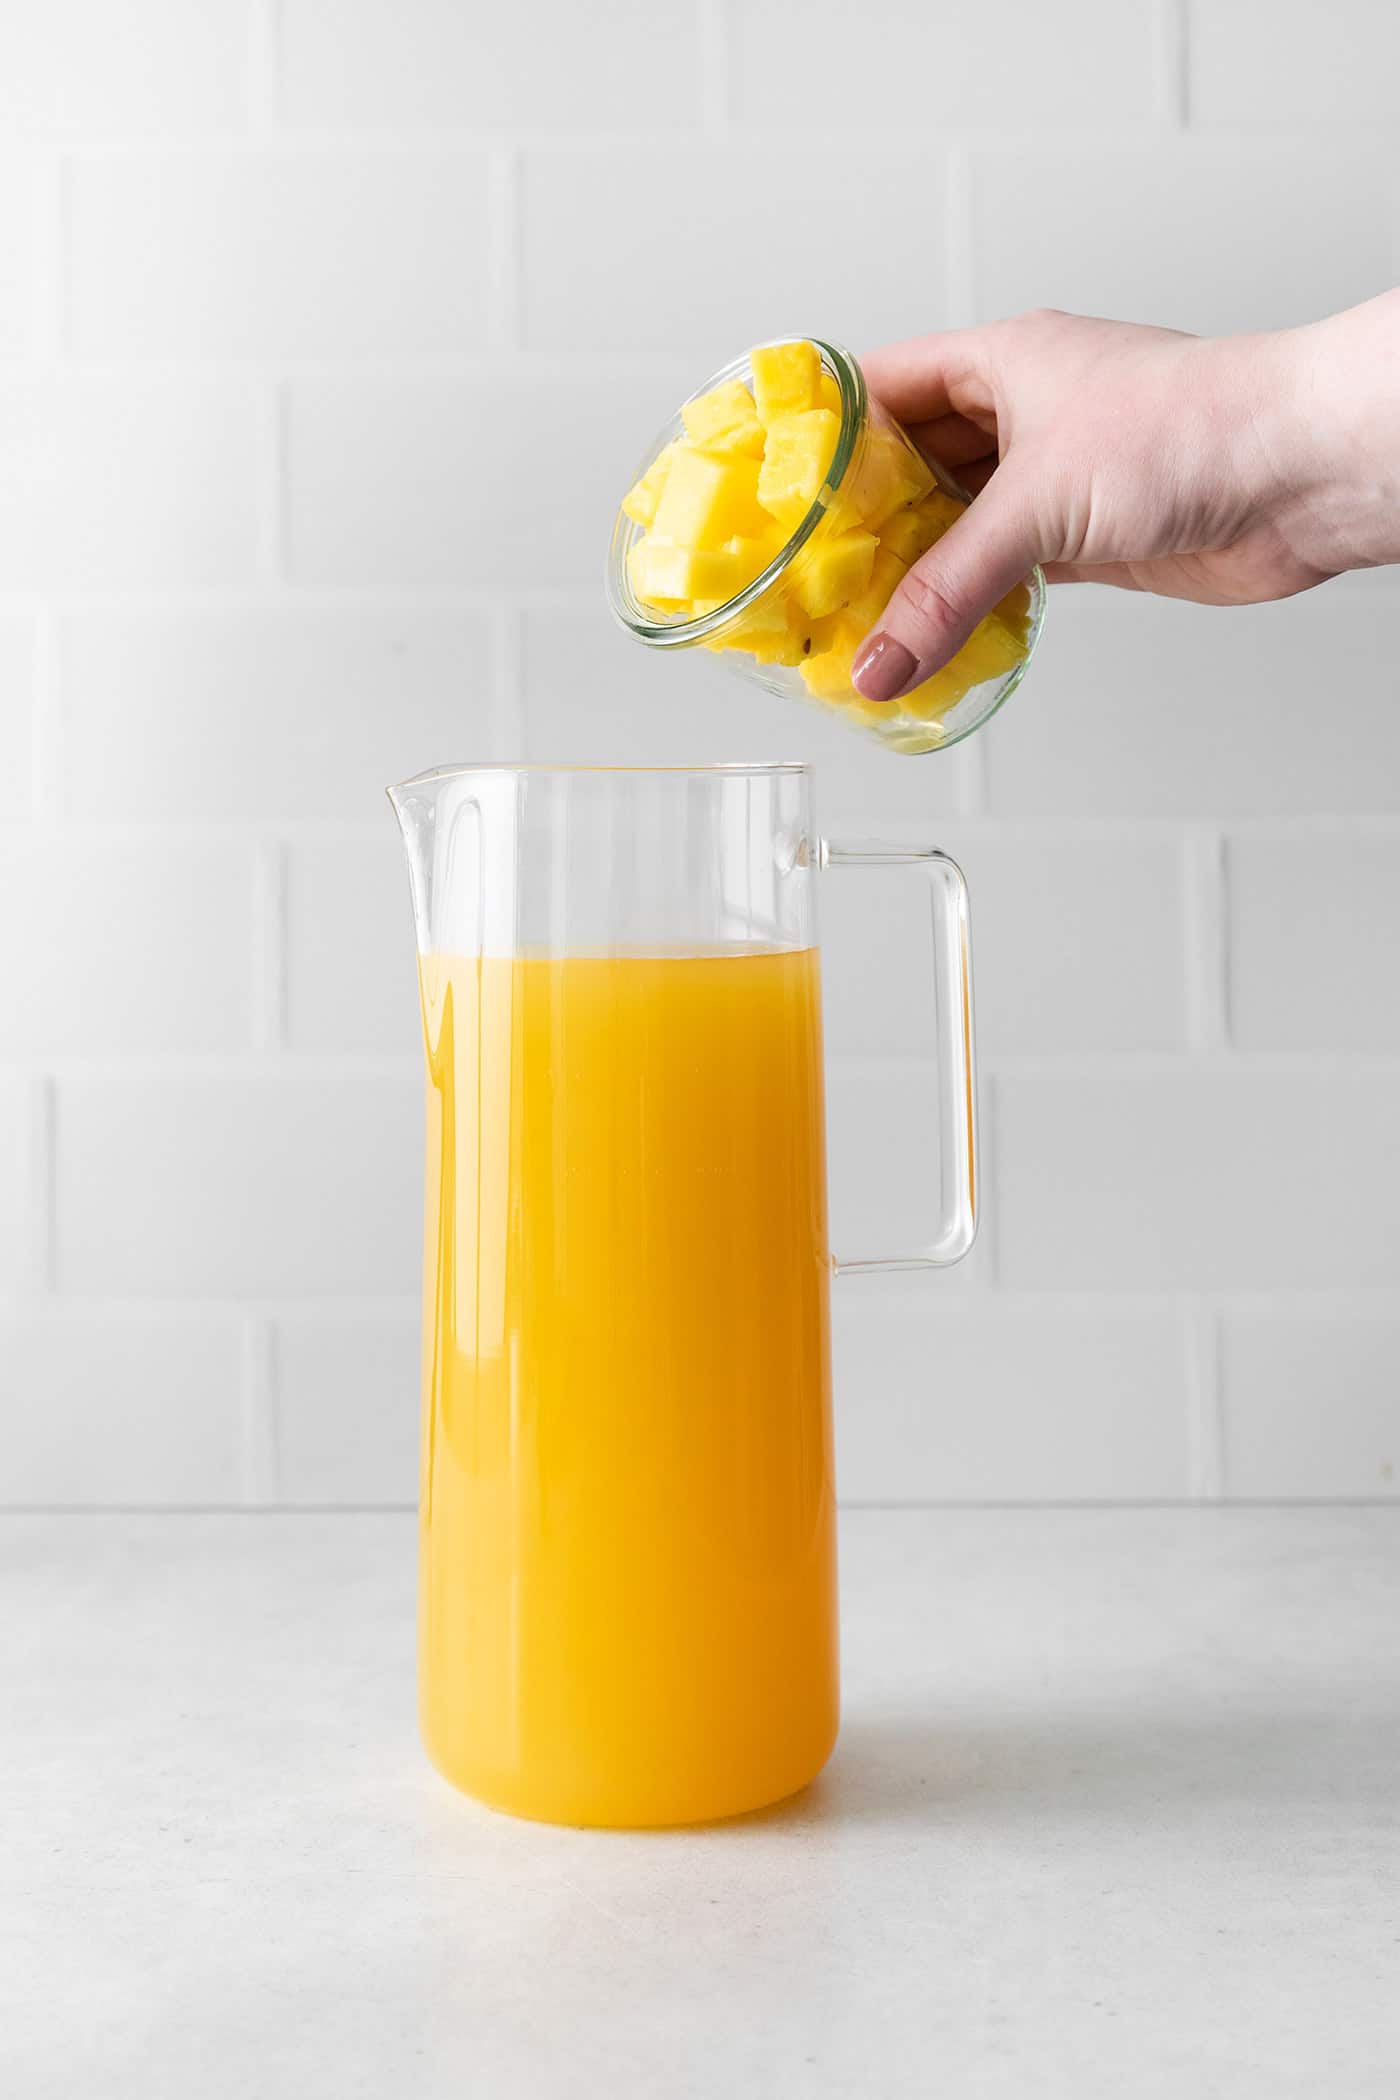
<point x="680" y="261"/>
<point x="1052" y="68"/>
<point x="122" y="1408"/>
<point x="1293" y="74"/>
<point x="1190" y="234"/>
<point x="77" y="69"/>
<point x="328" y="331"/>
<point x="309" y="253"/>
<point x="19" y="189"/>
<point x="17" y="650"/>
<point x="19" y="1227"/>
<point x="129" y="483"/>
<point x="345" y="1383"/>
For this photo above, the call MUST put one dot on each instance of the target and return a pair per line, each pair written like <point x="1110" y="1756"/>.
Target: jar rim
<point x="625" y="606"/>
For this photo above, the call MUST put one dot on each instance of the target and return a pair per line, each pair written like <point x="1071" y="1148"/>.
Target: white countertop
<point x="1116" y="1811"/>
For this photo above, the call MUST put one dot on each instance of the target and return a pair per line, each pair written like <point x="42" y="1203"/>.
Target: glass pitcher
<point x="627" y="1599"/>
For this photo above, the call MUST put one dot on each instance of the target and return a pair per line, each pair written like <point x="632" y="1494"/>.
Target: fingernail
<point x="884" y="668"/>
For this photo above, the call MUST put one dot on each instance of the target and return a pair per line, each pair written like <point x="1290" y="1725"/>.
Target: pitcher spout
<point x="453" y="821"/>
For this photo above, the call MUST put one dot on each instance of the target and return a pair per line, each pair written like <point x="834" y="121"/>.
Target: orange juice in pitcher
<point x="629" y="1567"/>
<point x="627" y="1515"/>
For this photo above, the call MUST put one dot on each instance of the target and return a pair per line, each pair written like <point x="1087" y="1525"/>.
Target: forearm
<point x="1339" y="470"/>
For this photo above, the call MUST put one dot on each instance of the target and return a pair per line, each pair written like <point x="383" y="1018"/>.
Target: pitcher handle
<point x="957" y="1062"/>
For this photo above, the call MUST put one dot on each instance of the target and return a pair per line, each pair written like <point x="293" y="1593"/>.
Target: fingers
<point x="953" y="440"/>
<point x="975" y="476"/>
<point x="932" y="374"/>
<point x="947" y="592"/>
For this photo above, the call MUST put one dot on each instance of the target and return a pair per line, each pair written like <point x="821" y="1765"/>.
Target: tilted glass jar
<point x="769" y="634"/>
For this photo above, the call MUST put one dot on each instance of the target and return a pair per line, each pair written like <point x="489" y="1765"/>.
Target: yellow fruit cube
<point x="1014" y="612"/>
<point x="888" y="474"/>
<point x="937" y="511"/>
<point x="933" y="699"/>
<point x="786" y="378"/>
<point x="906" y="535"/>
<point x="662" y="575"/>
<point x="990" y="652"/>
<point x="642" y="498"/>
<point x="795" y="459"/>
<point x="772" y="632"/>
<point x="668" y="575"/>
<point x="762" y="631"/>
<point x="828" y="676"/>
<point x="887" y="572"/>
<point x="842" y="514"/>
<point x="753" y="555"/>
<point x="912" y="530"/>
<point x="725" y="421"/>
<point x="827" y="671"/>
<point x="833" y="569"/>
<point x="707" y="501"/>
<point x="829" y="393"/>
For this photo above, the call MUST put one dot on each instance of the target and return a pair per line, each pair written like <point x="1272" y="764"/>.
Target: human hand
<point x="1226" y="471"/>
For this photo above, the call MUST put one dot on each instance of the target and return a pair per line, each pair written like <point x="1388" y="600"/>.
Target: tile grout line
<point x="714" y="27"/>
<point x="1378" y="1302"/>
<point x="259" y="1440"/>
<point x="1205" y="1424"/>
<point x="1206" y="940"/>
<point x="1172" y="38"/>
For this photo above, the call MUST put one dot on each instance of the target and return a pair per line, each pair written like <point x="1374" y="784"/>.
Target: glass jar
<point x="780" y="630"/>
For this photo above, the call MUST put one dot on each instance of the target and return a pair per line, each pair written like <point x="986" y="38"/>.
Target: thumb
<point x="949" y="589"/>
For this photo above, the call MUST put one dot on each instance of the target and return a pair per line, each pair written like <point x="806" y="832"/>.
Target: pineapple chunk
<point x="642" y="498"/>
<point x="786" y="378"/>
<point x="888" y="475"/>
<point x="827" y="671"/>
<point x="828" y="676"/>
<point x="772" y="632"/>
<point x="991" y="651"/>
<point x="1014" y="612"/>
<point x="795" y="459"/>
<point x="886" y="574"/>
<point x="906" y="535"/>
<point x="932" y="700"/>
<point x="707" y="501"/>
<point x="668" y="575"/>
<point x="832" y="570"/>
<point x="938" y="511"/>
<point x="829" y="393"/>
<point x="724" y="421"/>
<point x="914" y="528"/>
<point x="753" y="556"/>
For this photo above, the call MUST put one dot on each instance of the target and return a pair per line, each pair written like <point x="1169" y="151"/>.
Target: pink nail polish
<point x="884" y="668"/>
